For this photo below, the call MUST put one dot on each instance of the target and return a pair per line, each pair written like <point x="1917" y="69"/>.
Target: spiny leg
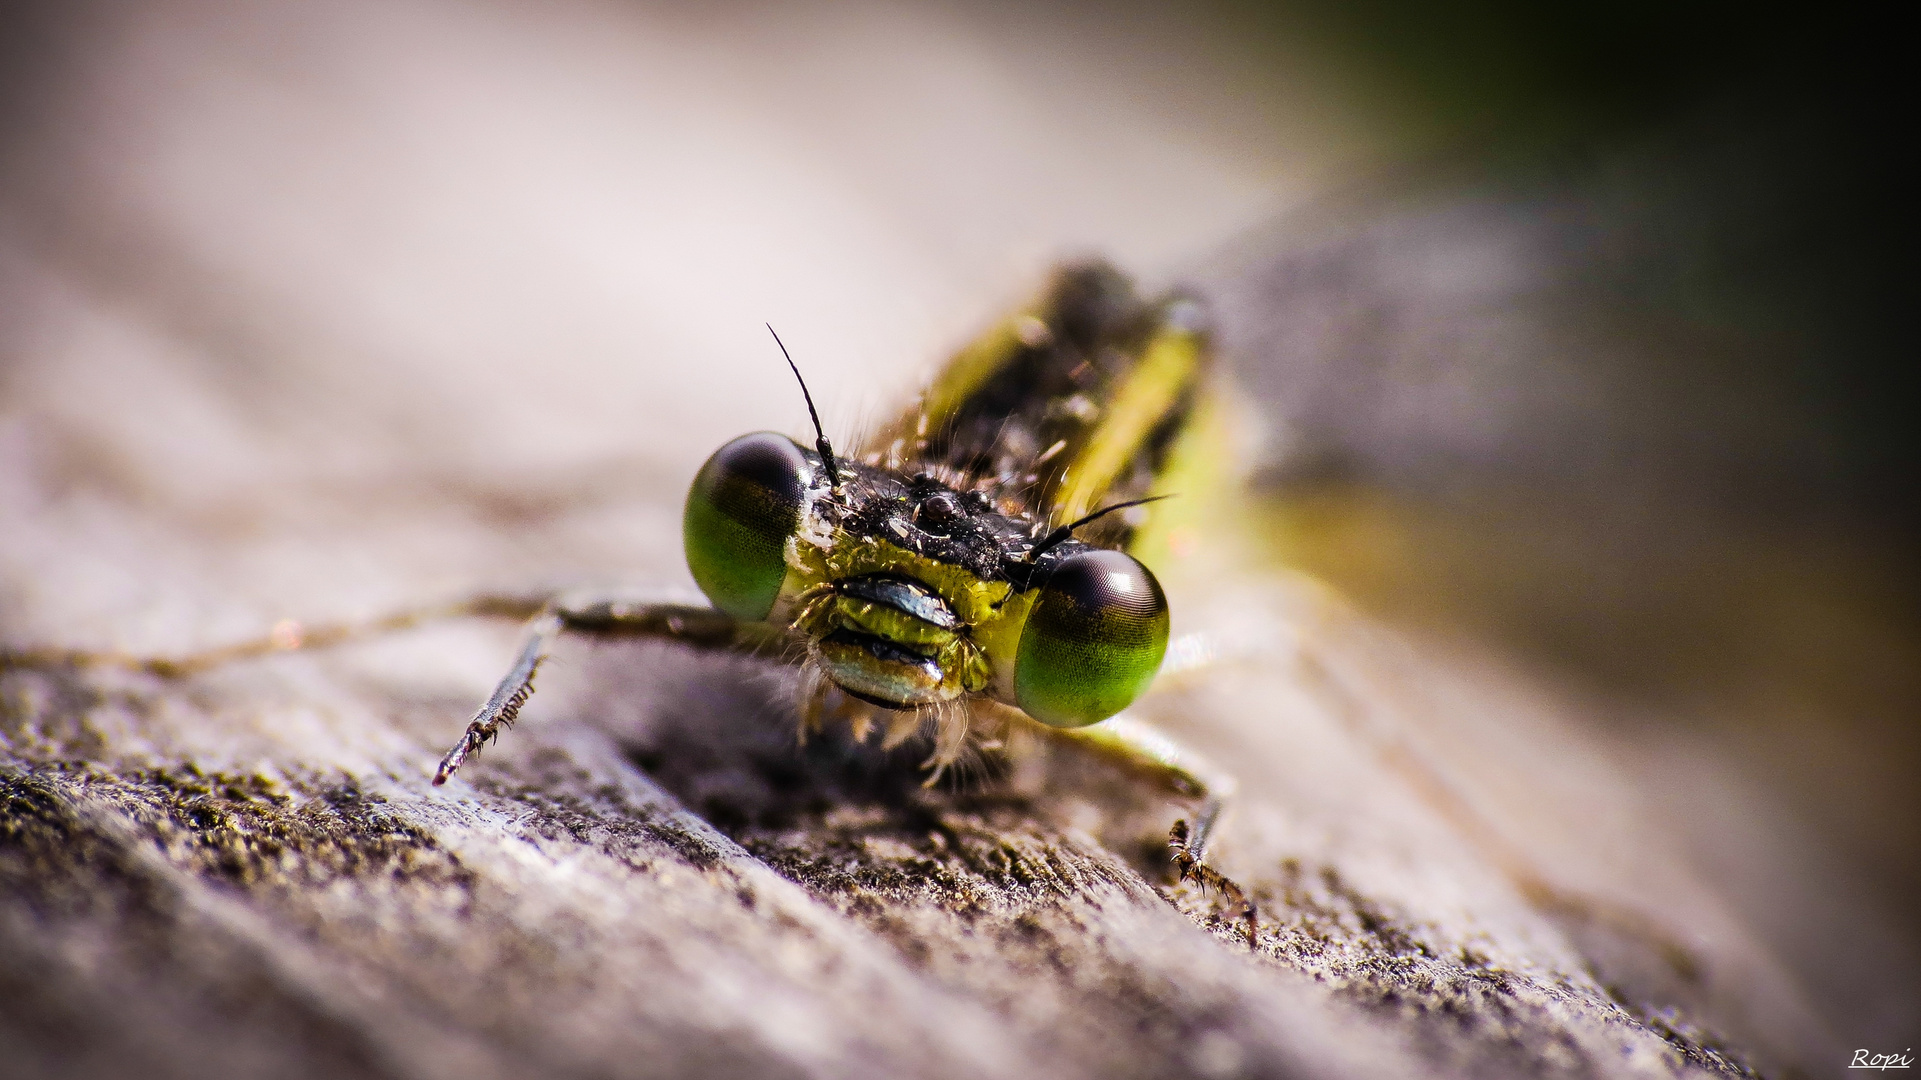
<point x="1142" y="746"/>
<point x="1188" y="858"/>
<point x="695" y="627"/>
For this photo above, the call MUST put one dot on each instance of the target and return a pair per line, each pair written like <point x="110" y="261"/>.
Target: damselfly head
<point x="943" y="561"/>
<point x="912" y="593"/>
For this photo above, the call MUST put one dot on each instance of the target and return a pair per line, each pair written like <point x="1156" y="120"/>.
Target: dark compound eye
<point x="743" y="505"/>
<point x="1093" y="641"/>
<point x="937" y="511"/>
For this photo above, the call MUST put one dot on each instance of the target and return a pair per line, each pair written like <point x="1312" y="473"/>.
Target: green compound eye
<point x="1093" y="641"/>
<point x="744" y="504"/>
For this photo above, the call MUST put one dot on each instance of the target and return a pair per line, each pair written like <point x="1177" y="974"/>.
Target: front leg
<point x="695" y="627"/>
<point x="1142" y="746"/>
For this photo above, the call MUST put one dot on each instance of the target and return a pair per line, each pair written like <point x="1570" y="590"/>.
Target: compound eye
<point x="1093" y="641"/>
<point x="744" y="504"/>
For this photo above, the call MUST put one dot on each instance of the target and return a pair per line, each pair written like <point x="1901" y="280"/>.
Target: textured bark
<point x="213" y="421"/>
<point x="680" y="889"/>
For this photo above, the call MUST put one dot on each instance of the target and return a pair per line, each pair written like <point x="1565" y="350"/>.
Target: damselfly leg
<point x="1139" y="745"/>
<point x="699" y="628"/>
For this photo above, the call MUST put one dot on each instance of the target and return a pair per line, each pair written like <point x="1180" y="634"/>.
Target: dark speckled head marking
<point x="930" y="565"/>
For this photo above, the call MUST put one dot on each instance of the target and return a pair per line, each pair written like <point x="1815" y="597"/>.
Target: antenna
<point x="820" y="437"/>
<point x="1058" y="536"/>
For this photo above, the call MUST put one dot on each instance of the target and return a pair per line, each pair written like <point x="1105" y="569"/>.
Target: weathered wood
<point x="248" y="872"/>
<point x="244" y="870"/>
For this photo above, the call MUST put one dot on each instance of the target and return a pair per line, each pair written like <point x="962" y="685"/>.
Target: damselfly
<point x="982" y="561"/>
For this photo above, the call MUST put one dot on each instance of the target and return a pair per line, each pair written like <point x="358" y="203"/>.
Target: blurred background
<point x="1576" y="336"/>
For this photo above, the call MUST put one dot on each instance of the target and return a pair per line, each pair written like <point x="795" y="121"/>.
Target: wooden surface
<point x="289" y="341"/>
<point x="248" y="873"/>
